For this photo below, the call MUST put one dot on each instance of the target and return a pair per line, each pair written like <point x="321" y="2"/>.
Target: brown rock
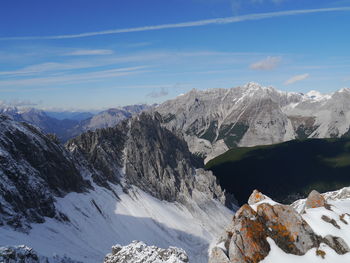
<point x="287" y="228"/>
<point x="256" y="197"/>
<point x="248" y="242"/>
<point x="314" y="200"/>
<point x="218" y="256"/>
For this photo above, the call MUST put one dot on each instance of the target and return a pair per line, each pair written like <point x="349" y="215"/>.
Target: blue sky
<point x="85" y="54"/>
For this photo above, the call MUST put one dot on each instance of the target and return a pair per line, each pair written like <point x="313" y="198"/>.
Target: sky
<point x="89" y="55"/>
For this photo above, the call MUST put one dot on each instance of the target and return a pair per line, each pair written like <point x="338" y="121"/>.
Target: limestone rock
<point x="138" y="251"/>
<point x="245" y="240"/>
<point x="256" y="197"/>
<point x="315" y="199"/>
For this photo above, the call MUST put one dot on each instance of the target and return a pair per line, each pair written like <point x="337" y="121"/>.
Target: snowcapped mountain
<point x="136" y="181"/>
<point x="215" y="120"/>
<point x="314" y="230"/>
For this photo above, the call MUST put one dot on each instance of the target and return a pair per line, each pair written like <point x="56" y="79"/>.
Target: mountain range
<point x="216" y="120"/>
<point x="134" y="180"/>
<point x="66" y="125"/>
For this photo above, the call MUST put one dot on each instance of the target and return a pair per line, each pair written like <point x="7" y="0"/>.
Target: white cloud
<point x="89" y="52"/>
<point x="296" y="78"/>
<point x="268" y="63"/>
<point x="218" y="21"/>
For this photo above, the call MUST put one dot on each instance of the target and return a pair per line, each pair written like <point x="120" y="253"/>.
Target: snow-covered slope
<point x="215" y="120"/>
<point x="102" y="218"/>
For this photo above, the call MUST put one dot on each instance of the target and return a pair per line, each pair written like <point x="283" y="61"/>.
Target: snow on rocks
<point x="317" y="231"/>
<point x="256" y="197"/>
<point x="315" y="199"/>
<point x="24" y="254"/>
<point x="138" y="252"/>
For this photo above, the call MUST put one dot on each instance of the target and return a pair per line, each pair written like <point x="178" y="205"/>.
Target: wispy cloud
<point x="89" y="52"/>
<point x="45" y="67"/>
<point x="158" y="94"/>
<point x="296" y="78"/>
<point x="218" y="21"/>
<point x="73" y="78"/>
<point x="268" y="63"/>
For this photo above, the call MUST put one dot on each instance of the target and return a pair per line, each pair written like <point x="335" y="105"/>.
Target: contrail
<point x="214" y="21"/>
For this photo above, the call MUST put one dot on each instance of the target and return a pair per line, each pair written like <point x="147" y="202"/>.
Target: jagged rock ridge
<point x="154" y="159"/>
<point x="33" y="170"/>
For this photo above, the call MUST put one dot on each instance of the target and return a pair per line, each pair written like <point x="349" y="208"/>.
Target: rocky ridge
<point x="34" y="169"/>
<point x="153" y="159"/>
<point x="215" y="120"/>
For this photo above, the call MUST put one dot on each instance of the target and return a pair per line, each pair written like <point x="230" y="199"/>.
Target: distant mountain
<point x="216" y="120"/>
<point x="67" y="125"/>
<point x="70" y="115"/>
<point x="62" y="128"/>
<point x="112" y="117"/>
<point x="285" y="171"/>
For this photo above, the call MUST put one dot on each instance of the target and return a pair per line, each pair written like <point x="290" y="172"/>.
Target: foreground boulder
<point x="138" y="251"/>
<point x="256" y="226"/>
<point x="314" y="200"/>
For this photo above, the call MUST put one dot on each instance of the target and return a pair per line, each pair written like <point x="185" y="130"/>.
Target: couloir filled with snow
<point x="101" y="218"/>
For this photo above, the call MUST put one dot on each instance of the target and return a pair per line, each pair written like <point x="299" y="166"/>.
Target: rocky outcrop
<point x="34" y="169"/>
<point x="246" y="239"/>
<point x="314" y="200"/>
<point x="152" y="158"/>
<point x="138" y="251"/>
<point x="256" y="197"/>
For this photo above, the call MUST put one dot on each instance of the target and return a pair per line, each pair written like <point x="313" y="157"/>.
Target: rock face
<point x="314" y="200"/>
<point x="139" y="252"/>
<point x="154" y="159"/>
<point x="33" y="170"/>
<point x="256" y="197"/>
<point x="215" y="120"/>
<point x="246" y="239"/>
